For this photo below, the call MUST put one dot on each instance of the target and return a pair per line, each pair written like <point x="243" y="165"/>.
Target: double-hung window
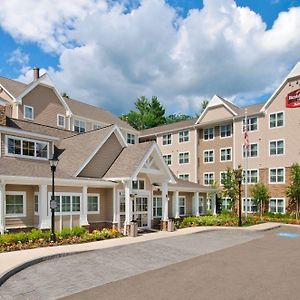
<point x="252" y="123"/>
<point x="208" y="156"/>
<point x="252" y="176"/>
<point x="226" y="130"/>
<point x="15" y="204"/>
<point x="184" y="177"/>
<point x="251" y="205"/>
<point x="130" y="138"/>
<point x="252" y="150"/>
<point x="66" y="203"/>
<point x="276" y="147"/>
<point x="276" y="120"/>
<point x="209" y="133"/>
<point x="138" y="184"/>
<point x="167" y="139"/>
<point x="223" y="177"/>
<point x="277" y="205"/>
<point x="28" y="112"/>
<point x="276" y="175"/>
<point x="184" y="136"/>
<point x="182" y="203"/>
<point x="93" y="203"/>
<point x="225" y="154"/>
<point x="157" y="207"/>
<point x="36" y="203"/>
<point x="184" y="158"/>
<point x="61" y="121"/>
<point x="168" y="159"/>
<point x="208" y="178"/>
<point x="79" y="126"/>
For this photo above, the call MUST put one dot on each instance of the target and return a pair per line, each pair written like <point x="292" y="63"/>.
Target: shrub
<point x="35" y="234"/>
<point x="78" y="231"/>
<point x="65" y="233"/>
<point x="19" y="237"/>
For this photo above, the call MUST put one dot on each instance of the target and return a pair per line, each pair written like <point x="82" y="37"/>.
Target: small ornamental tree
<point x="261" y="196"/>
<point x="293" y="190"/>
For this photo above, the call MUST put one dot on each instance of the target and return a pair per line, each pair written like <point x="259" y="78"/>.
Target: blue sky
<point x="49" y="43"/>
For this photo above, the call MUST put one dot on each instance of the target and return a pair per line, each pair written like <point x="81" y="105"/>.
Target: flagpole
<point x="246" y="148"/>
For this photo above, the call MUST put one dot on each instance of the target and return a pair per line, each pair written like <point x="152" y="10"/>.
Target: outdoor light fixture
<point x="53" y="164"/>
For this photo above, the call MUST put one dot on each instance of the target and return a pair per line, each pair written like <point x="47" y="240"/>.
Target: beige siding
<point x="216" y="114"/>
<point x="46" y="105"/>
<point x="6" y="97"/>
<point x="103" y="159"/>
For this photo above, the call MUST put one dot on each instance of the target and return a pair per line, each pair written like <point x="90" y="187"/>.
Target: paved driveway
<point x="68" y="275"/>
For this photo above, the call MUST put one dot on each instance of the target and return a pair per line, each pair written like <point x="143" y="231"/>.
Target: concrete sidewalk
<point x="13" y="262"/>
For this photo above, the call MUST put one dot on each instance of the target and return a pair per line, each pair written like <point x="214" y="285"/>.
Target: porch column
<point x="128" y="205"/>
<point x="116" y="208"/>
<point x="214" y="204"/>
<point x="196" y="204"/>
<point x="176" y="204"/>
<point x="205" y="204"/>
<point x="44" y="217"/>
<point x="2" y="208"/>
<point x="165" y="206"/>
<point x="84" y="207"/>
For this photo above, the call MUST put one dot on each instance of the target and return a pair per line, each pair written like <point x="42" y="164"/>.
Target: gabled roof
<point x="13" y="87"/>
<point x="295" y="72"/>
<point x="183" y="185"/>
<point x="97" y="114"/>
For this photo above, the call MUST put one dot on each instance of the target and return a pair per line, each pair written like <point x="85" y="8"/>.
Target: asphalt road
<point x="264" y="268"/>
<point x="67" y="275"/>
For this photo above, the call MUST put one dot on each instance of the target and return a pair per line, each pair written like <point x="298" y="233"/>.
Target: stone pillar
<point x="116" y="210"/>
<point x="44" y="216"/>
<point x="196" y="204"/>
<point x="2" y="208"/>
<point x="84" y="207"/>
<point x="176" y="204"/>
<point x="165" y="206"/>
<point x="128" y="206"/>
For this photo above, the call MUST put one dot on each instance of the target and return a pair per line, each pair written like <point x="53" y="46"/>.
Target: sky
<point x="110" y="52"/>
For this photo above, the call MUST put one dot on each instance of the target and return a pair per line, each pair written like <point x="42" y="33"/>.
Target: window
<point x="276" y="147"/>
<point x="277" y="205"/>
<point x="208" y="178"/>
<point x="29" y="148"/>
<point x="252" y="150"/>
<point x="252" y="176"/>
<point x="225" y="154"/>
<point x="157" y="207"/>
<point x="36" y="203"/>
<point x="276" y="175"/>
<point x="138" y="185"/>
<point x="252" y="123"/>
<point x="96" y="126"/>
<point x="79" y="126"/>
<point x="209" y="134"/>
<point x="130" y="138"/>
<point x="15" y="204"/>
<point x="184" y="136"/>
<point x="184" y="177"/>
<point x="251" y="205"/>
<point x="168" y="159"/>
<point x="93" y="203"/>
<point x="276" y="120"/>
<point x="167" y="139"/>
<point x="66" y="203"/>
<point x="208" y="156"/>
<point x="28" y="112"/>
<point x="61" y="121"/>
<point x="181" y="200"/>
<point x="184" y="158"/>
<point x="226" y="130"/>
<point x="226" y="204"/>
<point x="222" y="177"/>
<point x="200" y="207"/>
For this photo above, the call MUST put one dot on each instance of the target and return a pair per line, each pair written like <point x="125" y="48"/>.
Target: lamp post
<point x="53" y="163"/>
<point x="239" y="177"/>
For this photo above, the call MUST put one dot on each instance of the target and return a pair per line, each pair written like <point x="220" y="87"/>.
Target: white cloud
<point x="18" y="57"/>
<point x="150" y="50"/>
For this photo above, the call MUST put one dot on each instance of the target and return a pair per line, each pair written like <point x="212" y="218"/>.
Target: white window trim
<point x="249" y="170"/>
<point x="65" y="213"/>
<point x="36" y="213"/>
<point x="162" y="142"/>
<point x="165" y="161"/>
<point x="96" y="126"/>
<point x="79" y="120"/>
<point x="24" y="108"/>
<point x="277" y="112"/>
<point x="283" y="182"/>
<point x="250" y="117"/>
<point x="277" y="198"/>
<point x="250" y="207"/>
<point x="224" y="161"/>
<point x="213" y="173"/>
<point x="91" y="212"/>
<point x="183" y="197"/>
<point x="213" y="134"/>
<point x="57" y="120"/>
<point x="138" y="189"/>
<point x="25" y="156"/>
<point x="187" y="136"/>
<point x="184" y="174"/>
<point x="277" y="140"/>
<point x="209" y="162"/>
<point x="251" y="157"/>
<point x="226" y="137"/>
<point x="156" y="215"/>
<point x="221" y="184"/>
<point x="184" y="163"/>
<point x="24" y="204"/>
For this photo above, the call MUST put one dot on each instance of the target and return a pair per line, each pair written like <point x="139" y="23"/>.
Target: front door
<point x="140" y="211"/>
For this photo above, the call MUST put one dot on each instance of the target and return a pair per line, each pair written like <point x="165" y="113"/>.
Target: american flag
<point x="246" y="137"/>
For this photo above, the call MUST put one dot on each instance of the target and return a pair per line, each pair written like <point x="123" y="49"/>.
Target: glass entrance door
<point x="140" y="211"/>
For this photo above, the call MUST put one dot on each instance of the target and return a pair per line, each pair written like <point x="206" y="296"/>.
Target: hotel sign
<point x="293" y="99"/>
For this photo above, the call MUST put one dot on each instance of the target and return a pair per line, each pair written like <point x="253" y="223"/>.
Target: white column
<point x="214" y="204"/>
<point x="128" y="203"/>
<point x="83" y="207"/>
<point x="2" y="208"/>
<point x="165" y="207"/>
<point x="205" y="204"/>
<point x="175" y="205"/>
<point x="116" y="207"/>
<point x="44" y="216"/>
<point x="196" y="204"/>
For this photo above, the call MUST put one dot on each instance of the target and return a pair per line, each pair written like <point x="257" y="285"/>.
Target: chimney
<point x="36" y="73"/>
<point x="2" y="115"/>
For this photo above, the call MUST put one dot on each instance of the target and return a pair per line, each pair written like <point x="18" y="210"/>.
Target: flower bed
<point x="37" y="238"/>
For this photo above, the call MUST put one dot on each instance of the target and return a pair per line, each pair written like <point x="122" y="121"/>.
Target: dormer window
<point x="61" y="121"/>
<point x="79" y="126"/>
<point x="28" y="112"/>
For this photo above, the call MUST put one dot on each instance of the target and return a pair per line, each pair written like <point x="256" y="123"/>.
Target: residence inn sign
<point x="293" y="99"/>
